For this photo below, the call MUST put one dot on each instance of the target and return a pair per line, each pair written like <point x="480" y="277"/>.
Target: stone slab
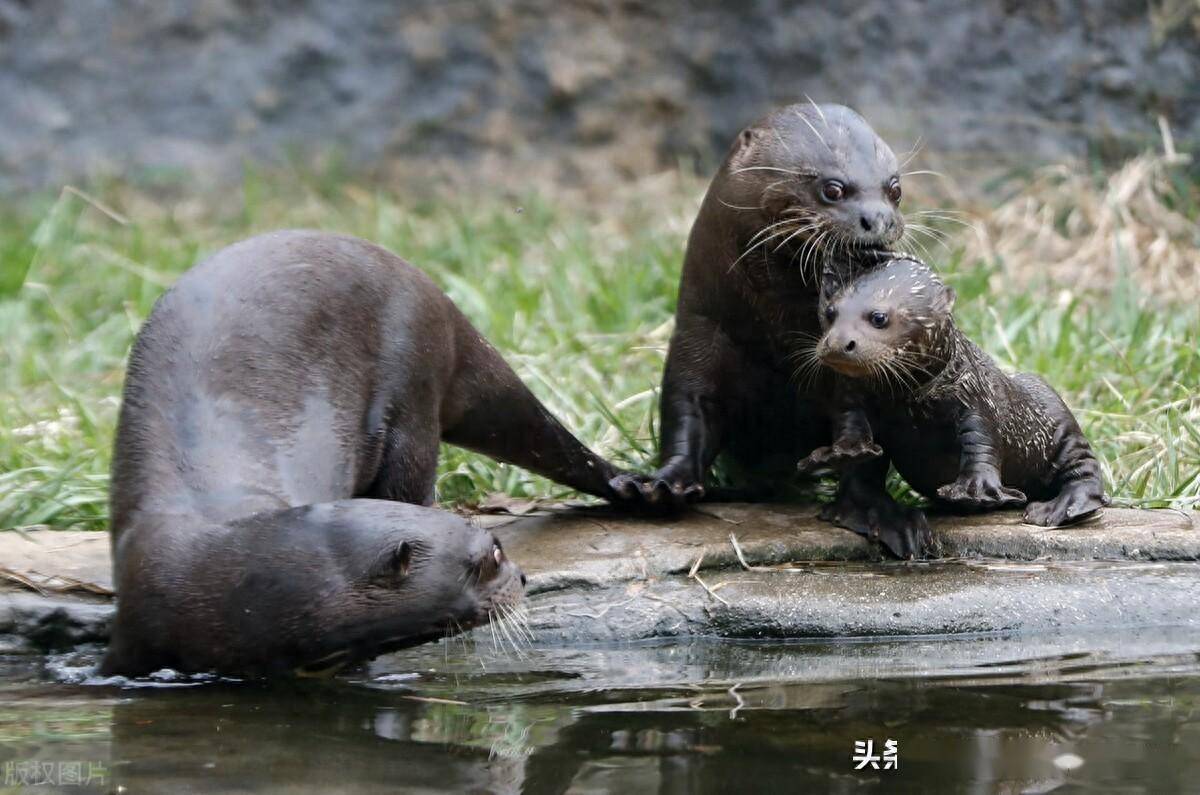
<point x="597" y="547"/>
<point x="598" y="576"/>
<point x="864" y="600"/>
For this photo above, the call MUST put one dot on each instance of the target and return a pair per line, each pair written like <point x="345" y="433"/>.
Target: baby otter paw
<point x="838" y="456"/>
<point x="668" y="492"/>
<point x="903" y="531"/>
<point x="981" y="492"/>
<point x="1073" y="504"/>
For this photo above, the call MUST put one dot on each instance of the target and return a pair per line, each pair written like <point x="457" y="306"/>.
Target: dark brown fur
<point x="301" y="369"/>
<point x="748" y="296"/>
<point x="959" y="430"/>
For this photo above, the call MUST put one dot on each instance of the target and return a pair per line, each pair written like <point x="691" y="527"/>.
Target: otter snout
<point x="840" y="352"/>
<point x="879" y="223"/>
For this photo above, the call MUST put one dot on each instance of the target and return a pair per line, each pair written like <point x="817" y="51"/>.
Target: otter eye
<point x="833" y="191"/>
<point x="893" y="190"/>
<point x="830" y="314"/>
<point x="878" y="319"/>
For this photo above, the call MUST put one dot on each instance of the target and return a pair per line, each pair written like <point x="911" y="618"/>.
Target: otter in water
<point x="959" y="430"/>
<point x="304" y="590"/>
<point x="302" y="369"/>
<point x="805" y="187"/>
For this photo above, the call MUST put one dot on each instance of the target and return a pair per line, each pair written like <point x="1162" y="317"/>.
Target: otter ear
<point x="396" y="561"/>
<point x="743" y="148"/>
<point x="946" y="299"/>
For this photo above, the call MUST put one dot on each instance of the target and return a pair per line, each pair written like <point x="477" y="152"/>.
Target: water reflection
<point x="701" y="717"/>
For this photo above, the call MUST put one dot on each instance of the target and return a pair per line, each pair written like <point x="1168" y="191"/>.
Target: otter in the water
<point x="301" y="369"/>
<point x="959" y="430"/>
<point x="303" y="590"/>
<point x="803" y="187"/>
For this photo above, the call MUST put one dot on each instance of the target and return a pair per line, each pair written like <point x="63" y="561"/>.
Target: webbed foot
<point x="904" y="531"/>
<point x="981" y="492"/>
<point x="1077" y="501"/>
<point x="838" y="456"/>
<point x="665" y="488"/>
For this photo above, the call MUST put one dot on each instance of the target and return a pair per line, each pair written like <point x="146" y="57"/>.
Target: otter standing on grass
<point x="959" y="430"/>
<point x="275" y="380"/>
<point x="804" y="188"/>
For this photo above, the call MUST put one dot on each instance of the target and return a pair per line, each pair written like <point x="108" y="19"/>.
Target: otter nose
<point x="850" y="346"/>
<point x="876" y="222"/>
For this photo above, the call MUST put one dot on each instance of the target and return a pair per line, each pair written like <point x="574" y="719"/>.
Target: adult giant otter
<point x="276" y="380"/>
<point x="803" y="188"/>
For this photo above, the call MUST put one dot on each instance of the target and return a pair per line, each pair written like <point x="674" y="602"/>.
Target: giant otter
<point x="303" y="369"/>
<point x="959" y="430"/>
<point x="803" y="188"/>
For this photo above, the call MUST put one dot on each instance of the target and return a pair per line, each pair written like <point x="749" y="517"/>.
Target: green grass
<point x="579" y="299"/>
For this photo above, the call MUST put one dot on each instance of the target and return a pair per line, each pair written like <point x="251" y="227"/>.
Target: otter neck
<point x="941" y="356"/>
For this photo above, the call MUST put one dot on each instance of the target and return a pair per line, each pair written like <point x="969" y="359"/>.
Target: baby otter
<point x="959" y="430"/>
<point x="807" y="186"/>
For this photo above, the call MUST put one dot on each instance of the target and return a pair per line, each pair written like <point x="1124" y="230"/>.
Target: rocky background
<point x="574" y="89"/>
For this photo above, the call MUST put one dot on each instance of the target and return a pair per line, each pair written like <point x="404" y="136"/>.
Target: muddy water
<point x="1056" y="713"/>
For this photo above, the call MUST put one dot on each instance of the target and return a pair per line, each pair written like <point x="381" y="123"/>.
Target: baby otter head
<point x="818" y="176"/>
<point x="886" y="323"/>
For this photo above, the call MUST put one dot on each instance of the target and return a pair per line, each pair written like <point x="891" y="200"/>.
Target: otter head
<point x="409" y="575"/>
<point x="887" y="323"/>
<point x="818" y="177"/>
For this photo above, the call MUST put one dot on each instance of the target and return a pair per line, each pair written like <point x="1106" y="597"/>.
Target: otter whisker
<point x="948" y="219"/>
<point x="817" y="108"/>
<point x="916" y="148"/>
<point x="772" y="168"/>
<point x="495" y="638"/>
<point x="923" y="172"/>
<point x="820" y="137"/>
<point x="801" y="230"/>
<point x="734" y="206"/>
<point x="497" y="620"/>
<point x="932" y="234"/>
<point x="506" y="629"/>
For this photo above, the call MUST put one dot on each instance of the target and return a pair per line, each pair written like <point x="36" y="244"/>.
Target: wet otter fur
<point x="913" y="389"/>
<point x="802" y="188"/>
<point x="275" y="381"/>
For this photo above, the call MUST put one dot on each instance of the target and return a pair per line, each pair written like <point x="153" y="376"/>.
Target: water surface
<point x="1062" y="713"/>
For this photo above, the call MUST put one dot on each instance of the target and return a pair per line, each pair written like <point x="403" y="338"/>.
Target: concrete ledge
<point x="595" y="575"/>
<point x="877" y="600"/>
<point x="597" y="547"/>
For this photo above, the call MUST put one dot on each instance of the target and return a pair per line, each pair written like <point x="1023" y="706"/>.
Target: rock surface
<point x="596" y="576"/>
<point x="580" y="88"/>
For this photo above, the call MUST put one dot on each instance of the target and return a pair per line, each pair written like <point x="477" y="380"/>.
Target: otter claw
<point x="651" y="490"/>
<point x="1071" y="506"/>
<point x="903" y="531"/>
<point x="838" y="456"/>
<point x="981" y="493"/>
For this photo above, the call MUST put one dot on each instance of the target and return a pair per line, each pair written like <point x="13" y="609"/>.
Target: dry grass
<point x="1070" y="228"/>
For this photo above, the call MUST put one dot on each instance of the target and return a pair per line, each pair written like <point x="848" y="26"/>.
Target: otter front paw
<point x="660" y="489"/>
<point x="839" y="456"/>
<point x="1074" y="503"/>
<point x="981" y="492"/>
<point x="904" y="531"/>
